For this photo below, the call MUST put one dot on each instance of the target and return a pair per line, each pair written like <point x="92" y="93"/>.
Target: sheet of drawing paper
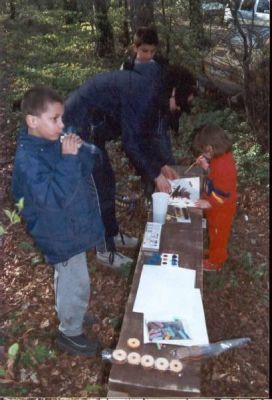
<point x="189" y="185"/>
<point x="170" y="291"/>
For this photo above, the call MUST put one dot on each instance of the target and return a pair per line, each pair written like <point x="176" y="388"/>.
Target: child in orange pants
<point x="219" y="196"/>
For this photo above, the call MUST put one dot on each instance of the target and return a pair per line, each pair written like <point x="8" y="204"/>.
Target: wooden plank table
<point x="127" y="380"/>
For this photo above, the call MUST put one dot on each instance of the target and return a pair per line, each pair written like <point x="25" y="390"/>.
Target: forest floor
<point x="236" y="300"/>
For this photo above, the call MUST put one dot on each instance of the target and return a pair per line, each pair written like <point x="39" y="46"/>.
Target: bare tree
<point x="70" y="5"/>
<point x="105" y="43"/>
<point x="125" y="36"/>
<point x="12" y="8"/>
<point x="142" y="13"/>
<point x="254" y="61"/>
<point x="196" y="22"/>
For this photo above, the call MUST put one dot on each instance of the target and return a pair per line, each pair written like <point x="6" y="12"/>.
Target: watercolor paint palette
<point x="169" y="260"/>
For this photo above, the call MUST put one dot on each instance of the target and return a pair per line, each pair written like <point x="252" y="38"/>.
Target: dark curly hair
<point x="36" y="99"/>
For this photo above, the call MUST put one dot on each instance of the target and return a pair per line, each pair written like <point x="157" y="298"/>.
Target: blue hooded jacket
<point x="61" y="209"/>
<point x="133" y="99"/>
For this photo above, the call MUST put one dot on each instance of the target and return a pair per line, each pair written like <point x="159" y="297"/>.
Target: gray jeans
<point x="72" y="293"/>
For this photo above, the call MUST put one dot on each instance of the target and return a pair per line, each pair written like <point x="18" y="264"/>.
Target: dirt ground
<point x="236" y="300"/>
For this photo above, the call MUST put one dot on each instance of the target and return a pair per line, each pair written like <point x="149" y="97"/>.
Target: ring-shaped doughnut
<point x="119" y="356"/>
<point x="161" y="364"/>
<point x="147" y="361"/>
<point x="175" y="366"/>
<point x="133" y="343"/>
<point x="134" y="358"/>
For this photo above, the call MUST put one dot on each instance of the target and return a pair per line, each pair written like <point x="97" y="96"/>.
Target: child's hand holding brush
<point x="202" y="161"/>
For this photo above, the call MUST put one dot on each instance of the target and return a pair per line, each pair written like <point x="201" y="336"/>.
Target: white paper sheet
<point x="191" y="185"/>
<point x="170" y="292"/>
<point x="154" y="276"/>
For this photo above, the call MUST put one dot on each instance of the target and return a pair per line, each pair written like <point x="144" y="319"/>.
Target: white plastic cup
<point x="160" y="205"/>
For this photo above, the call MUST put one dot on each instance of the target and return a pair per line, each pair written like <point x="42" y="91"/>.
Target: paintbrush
<point x="194" y="163"/>
<point x="189" y="168"/>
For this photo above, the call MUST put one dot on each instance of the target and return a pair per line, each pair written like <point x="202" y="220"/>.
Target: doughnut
<point x="147" y="361"/>
<point x="161" y="364"/>
<point x="133" y="343"/>
<point x="134" y="358"/>
<point x="119" y="356"/>
<point x="175" y="366"/>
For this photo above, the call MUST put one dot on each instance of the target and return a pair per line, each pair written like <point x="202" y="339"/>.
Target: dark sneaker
<point x="78" y="345"/>
<point x="90" y="320"/>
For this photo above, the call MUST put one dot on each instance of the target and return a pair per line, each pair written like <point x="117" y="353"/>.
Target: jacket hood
<point x="150" y="70"/>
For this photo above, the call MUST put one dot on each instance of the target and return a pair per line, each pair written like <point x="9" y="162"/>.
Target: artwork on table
<point x="167" y="330"/>
<point x="184" y="192"/>
<point x="177" y="214"/>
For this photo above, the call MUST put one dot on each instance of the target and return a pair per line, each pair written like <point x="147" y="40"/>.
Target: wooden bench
<point x="127" y="380"/>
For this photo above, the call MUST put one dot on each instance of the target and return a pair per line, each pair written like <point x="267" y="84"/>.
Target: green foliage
<point x="2" y="340"/>
<point x="42" y="353"/>
<point x="13" y="351"/>
<point x="215" y="280"/>
<point x="93" y="269"/>
<point x="38" y="259"/>
<point x="26" y="246"/>
<point x="51" y="53"/>
<point x="13" y="316"/>
<point x="233" y="280"/>
<point x="252" y="164"/>
<point x="13" y="391"/>
<point x="13" y="216"/>
<point x="93" y="388"/>
<point x="116" y="322"/>
<point x="125" y="271"/>
<point x="25" y="359"/>
<point x="38" y="355"/>
<point x="255" y="271"/>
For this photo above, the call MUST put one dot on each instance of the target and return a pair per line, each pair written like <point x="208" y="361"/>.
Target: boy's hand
<point x="203" y="204"/>
<point x="203" y="162"/>
<point x="169" y="172"/>
<point x="162" y="184"/>
<point x="70" y="144"/>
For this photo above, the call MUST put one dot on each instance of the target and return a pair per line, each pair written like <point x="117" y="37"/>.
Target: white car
<point x="213" y="8"/>
<point x="255" y="12"/>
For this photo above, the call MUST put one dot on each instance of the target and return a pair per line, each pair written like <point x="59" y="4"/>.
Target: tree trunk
<point x="164" y="21"/>
<point x="255" y="85"/>
<point x="105" y="42"/>
<point x="126" y="36"/>
<point x="142" y="13"/>
<point x="12" y="8"/>
<point x="70" y="5"/>
<point x="196" y="23"/>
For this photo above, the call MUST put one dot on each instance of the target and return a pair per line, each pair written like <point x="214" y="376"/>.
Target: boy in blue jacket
<point x="61" y="208"/>
<point x="131" y="101"/>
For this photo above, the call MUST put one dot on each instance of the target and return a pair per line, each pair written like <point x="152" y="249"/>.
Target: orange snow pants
<point x="219" y="229"/>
